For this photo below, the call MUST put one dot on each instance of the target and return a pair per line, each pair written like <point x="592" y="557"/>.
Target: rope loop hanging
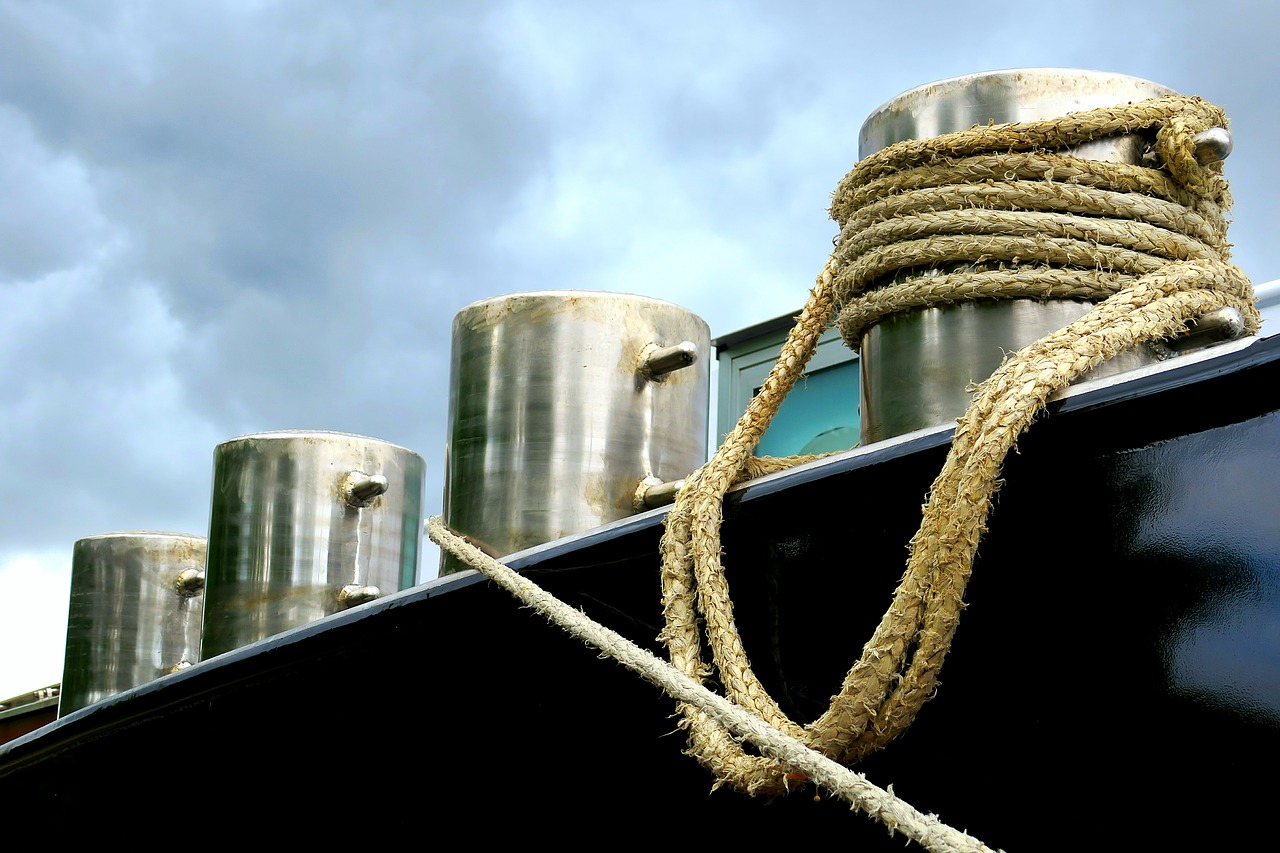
<point x="993" y="212"/>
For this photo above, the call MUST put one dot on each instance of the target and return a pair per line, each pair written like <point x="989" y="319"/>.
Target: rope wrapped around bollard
<point x="993" y="212"/>
<point x="1003" y="215"/>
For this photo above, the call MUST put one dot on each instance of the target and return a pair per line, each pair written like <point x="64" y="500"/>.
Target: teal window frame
<point x="744" y="360"/>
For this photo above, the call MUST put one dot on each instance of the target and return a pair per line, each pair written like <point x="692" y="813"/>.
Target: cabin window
<point x="819" y="415"/>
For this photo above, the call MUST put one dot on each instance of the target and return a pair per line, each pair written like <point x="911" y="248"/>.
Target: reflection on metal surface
<point x="1026" y="94"/>
<point x="135" y="612"/>
<point x="1212" y="145"/>
<point x="918" y="370"/>
<point x="554" y="418"/>
<point x="1199" y="521"/>
<point x="916" y="367"/>
<point x="304" y="524"/>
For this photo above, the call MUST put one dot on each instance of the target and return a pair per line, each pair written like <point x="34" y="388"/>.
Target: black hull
<point x="1114" y="684"/>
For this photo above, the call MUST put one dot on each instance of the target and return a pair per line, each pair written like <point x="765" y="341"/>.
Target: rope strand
<point x="890" y="810"/>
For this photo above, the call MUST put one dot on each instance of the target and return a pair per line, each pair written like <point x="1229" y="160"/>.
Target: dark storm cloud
<point x="48" y="216"/>
<point x="294" y="195"/>
<point x="90" y="416"/>
<point x="245" y="150"/>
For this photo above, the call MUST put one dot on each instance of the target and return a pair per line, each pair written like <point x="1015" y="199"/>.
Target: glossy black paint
<point x="1114" y="684"/>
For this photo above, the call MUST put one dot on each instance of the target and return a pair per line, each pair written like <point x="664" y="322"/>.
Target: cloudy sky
<point x="219" y="218"/>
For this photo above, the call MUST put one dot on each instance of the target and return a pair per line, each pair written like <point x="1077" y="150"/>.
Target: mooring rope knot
<point x="994" y="212"/>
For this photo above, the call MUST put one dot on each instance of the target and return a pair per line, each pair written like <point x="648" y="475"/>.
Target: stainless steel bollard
<point x="304" y="524"/>
<point x="566" y="408"/>
<point x="135" y="612"/>
<point x="916" y="367"/>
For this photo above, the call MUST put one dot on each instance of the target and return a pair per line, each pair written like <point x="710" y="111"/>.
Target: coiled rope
<point x="1003" y="215"/>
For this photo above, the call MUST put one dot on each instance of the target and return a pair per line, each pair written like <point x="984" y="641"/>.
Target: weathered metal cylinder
<point x="564" y="407"/>
<point x="916" y="367"/>
<point x="135" y="612"/>
<point x="305" y="524"/>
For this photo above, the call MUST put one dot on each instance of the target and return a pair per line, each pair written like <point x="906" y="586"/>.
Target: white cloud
<point x="36" y="590"/>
